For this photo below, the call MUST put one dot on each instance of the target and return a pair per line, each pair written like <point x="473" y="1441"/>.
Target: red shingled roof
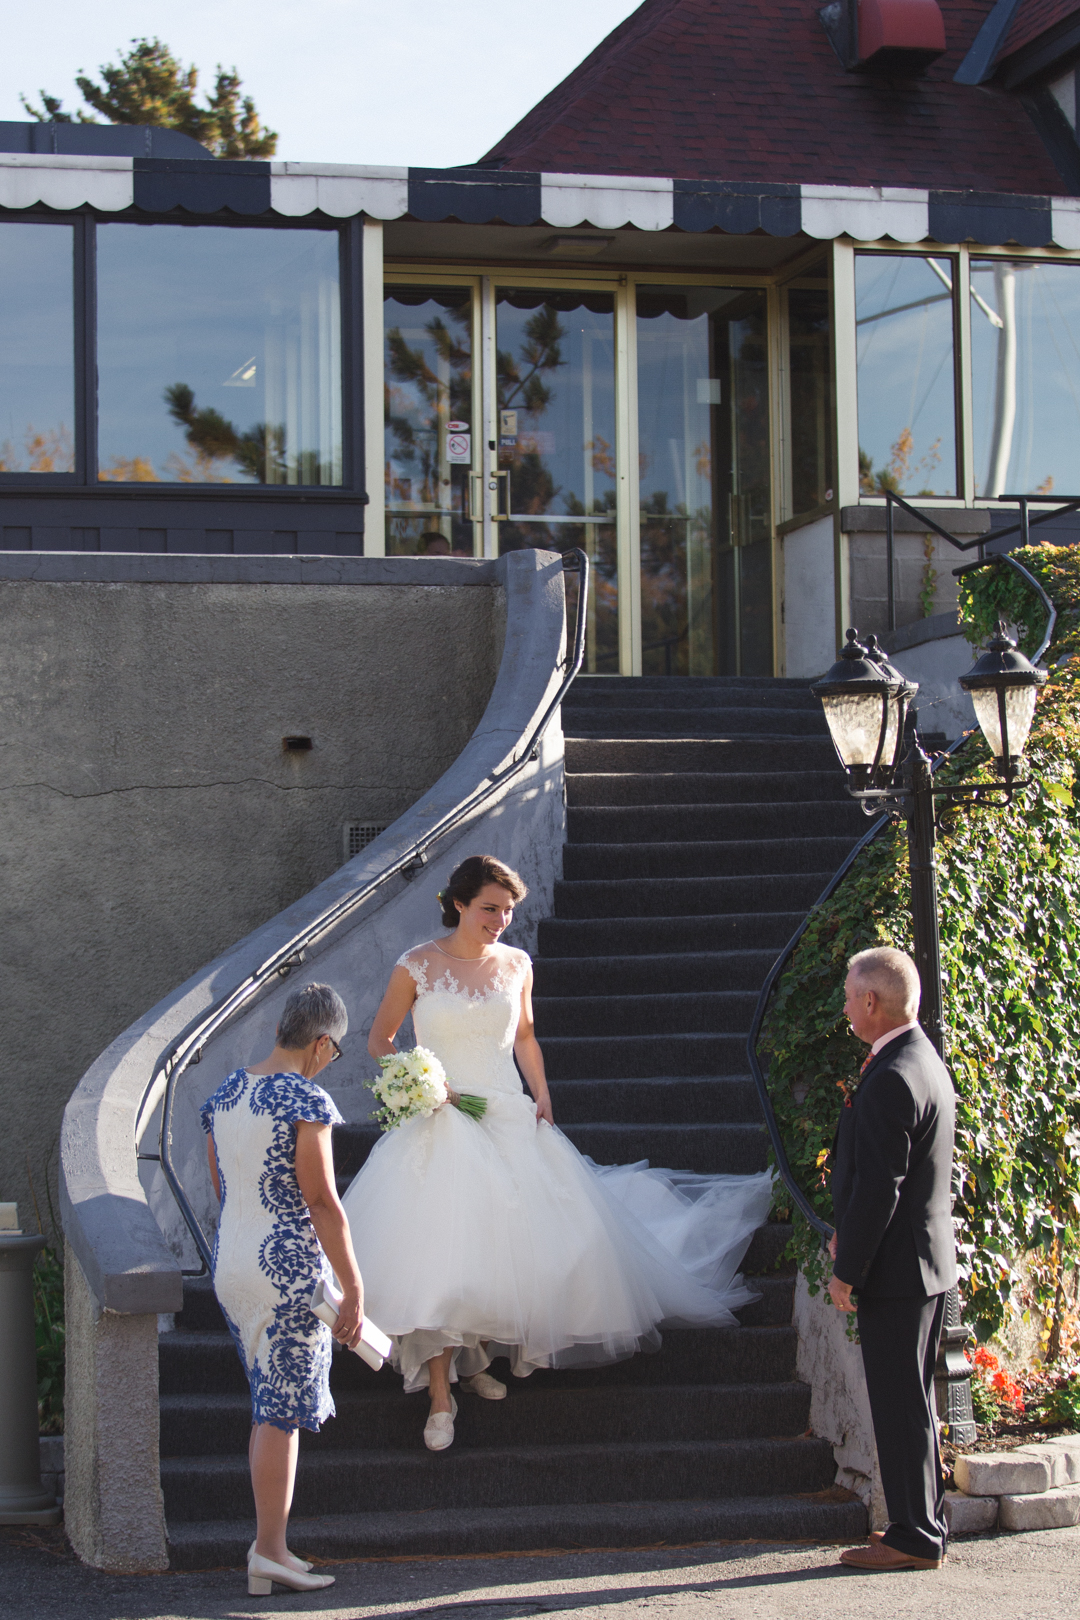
<point x="1034" y="18"/>
<point x="751" y="90"/>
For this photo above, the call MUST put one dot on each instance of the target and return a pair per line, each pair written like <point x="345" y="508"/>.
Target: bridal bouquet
<point x="412" y="1085"/>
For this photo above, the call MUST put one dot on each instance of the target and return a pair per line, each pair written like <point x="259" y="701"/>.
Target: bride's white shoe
<point x="439" y="1428"/>
<point x="297" y="1563"/>
<point x="263" y="1572"/>
<point x="482" y="1384"/>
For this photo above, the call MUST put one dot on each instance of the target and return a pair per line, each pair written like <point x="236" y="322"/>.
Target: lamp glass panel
<point x="1019" y="712"/>
<point x="855" y="723"/>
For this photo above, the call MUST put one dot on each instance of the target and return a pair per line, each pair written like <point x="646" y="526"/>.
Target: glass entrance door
<point x="555" y="399"/>
<point x="706" y="523"/>
<point x="429" y="441"/>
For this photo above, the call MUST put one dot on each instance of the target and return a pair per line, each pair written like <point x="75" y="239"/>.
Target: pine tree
<point x="149" y="86"/>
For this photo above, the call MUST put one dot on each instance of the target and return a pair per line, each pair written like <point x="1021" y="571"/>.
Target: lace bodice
<point x="467" y="1013"/>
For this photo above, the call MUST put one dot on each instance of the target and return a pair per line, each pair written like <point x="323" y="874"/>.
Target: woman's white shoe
<point x="482" y="1384"/>
<point x="298" y="1563"/>
<point x="439" y="1428"/>
<point x="263" y="1572"/>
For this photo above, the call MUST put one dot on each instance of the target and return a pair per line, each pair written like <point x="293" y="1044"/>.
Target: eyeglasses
<point x="337" y="1048"/>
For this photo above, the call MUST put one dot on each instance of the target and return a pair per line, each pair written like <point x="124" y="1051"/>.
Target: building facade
<point x="734" y="279"/>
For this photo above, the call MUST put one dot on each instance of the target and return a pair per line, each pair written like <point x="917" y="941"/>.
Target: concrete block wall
<point x="915" y="552"/>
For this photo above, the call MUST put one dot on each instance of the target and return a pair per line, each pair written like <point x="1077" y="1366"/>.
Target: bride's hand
<point x="543" y="1108"/>
<point x="350" y="1319"/>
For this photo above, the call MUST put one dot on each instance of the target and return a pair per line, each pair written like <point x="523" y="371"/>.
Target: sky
<point x="422" y="82"/>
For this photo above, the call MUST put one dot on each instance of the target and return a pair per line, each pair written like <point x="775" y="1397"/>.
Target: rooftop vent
<point x="896" y="37"/>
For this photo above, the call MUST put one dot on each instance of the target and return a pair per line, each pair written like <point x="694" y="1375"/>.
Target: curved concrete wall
<point x="149" y="815"/>
<point x="122" y="1259"/>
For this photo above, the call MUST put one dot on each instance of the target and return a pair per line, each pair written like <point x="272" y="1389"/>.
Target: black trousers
<point x="899" y="1348"/>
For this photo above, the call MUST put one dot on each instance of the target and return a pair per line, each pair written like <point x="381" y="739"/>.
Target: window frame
<point x="85" y="477"/>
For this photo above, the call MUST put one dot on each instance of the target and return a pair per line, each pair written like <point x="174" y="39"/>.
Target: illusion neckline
<point x="454" y="958"/>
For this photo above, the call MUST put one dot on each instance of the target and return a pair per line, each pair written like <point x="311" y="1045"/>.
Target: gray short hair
<point x="892" y="976"/>
<point x="308" y="1013"/>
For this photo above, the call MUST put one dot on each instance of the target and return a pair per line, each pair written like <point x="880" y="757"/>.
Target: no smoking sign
<point x="458" y="444"/>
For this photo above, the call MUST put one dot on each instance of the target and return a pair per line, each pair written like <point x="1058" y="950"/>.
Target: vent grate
<point x="359" y="834"/>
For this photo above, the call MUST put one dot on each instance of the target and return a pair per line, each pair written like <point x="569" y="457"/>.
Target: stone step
<point x="628" y="1057"/>
<point x="759" y="930"/>
<point x="706" y="1011"/>
<point x="712" y="755"/>
<point x="686" y="699"/>
<point x="651" y="1100"/>
<point x="692" y="823"/>
<point x="688" y="683"/>
<point x="644" y="720"/>
<point x="704" y="787"/>
<point x="770" y="856"/>
<point x="731" y="1150"/>
<point x="219" y="1425"/>
<point x="688" y="897"/>
<point x="683" y="971"/>
<point x="826" y="1515"/>
<point x="415" y="1480"/>
<point x="206" y="1362"/>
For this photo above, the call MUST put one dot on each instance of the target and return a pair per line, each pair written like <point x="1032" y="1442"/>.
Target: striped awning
<point x="517" y="197"/>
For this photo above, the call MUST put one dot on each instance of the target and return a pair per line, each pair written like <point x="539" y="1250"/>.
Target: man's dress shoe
<point x="880" y="1559"/>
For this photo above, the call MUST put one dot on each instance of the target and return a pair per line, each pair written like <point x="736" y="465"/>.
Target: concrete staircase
<point x="705" y="816"/>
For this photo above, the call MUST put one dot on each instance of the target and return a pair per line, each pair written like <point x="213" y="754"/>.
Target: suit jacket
<point x="892" y="1174"/>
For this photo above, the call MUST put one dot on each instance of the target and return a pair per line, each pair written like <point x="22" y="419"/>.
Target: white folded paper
<point x="374" y="1347"/>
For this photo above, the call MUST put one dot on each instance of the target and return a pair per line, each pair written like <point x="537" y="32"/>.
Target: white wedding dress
<point x="501" y="1232"/>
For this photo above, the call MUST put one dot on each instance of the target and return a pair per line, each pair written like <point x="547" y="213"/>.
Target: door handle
<point x="494" y="498"/>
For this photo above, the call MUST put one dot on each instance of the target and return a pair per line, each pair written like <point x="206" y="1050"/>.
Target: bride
<point x="496" y="1237"/>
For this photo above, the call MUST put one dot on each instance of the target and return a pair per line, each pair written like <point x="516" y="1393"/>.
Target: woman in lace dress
<point x="496" y="1237"/>
<point x="280" y="1230"/>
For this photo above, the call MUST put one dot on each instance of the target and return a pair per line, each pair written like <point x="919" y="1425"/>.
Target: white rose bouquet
<point x="412" y="1085"/>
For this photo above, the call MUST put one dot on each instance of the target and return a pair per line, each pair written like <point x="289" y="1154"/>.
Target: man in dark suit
<point x="894" y="1247"/>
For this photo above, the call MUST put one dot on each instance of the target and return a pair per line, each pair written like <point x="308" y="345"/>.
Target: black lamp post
<point x="866" y="703"/>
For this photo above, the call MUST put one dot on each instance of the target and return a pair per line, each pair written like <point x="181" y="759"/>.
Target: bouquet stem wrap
<point x="412" y="1085"/>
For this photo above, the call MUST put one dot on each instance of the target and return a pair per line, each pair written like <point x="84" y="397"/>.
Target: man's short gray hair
<point x="308" y="1013"/>
<point x="893" y="977"/>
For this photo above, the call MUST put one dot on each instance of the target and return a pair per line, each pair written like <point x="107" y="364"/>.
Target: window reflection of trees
<point x="555" y="369"/>
<point x="429" y="384"/>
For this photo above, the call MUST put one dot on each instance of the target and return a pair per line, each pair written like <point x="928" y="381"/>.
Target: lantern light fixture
<point x="1002" y="684"/>
<point x="866" y="703"/>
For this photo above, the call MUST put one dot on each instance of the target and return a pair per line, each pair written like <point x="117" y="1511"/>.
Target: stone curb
<point x="1049" y="1510"/>
<point x="1035" y="1487"/>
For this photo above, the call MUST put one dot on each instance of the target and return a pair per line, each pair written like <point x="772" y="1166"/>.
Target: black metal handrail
<point x="187" y="1047"/>
<point x="787" y="1175"/>
<point x="1066" y="503"/>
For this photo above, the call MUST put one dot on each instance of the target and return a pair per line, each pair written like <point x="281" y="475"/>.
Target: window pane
<point x="429" y="445"/>
<point x="907" y="413"/>
<point x="703" y="430"/>
<point x="37" y="348"/>
<point x="809" y="332"/>
<point x="219" y="355"/>
<point x="1025" y="375"/>
<point x="556" y="397"/>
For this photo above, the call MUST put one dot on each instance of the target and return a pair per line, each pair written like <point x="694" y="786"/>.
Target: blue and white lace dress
<point x="267" y="1258"/>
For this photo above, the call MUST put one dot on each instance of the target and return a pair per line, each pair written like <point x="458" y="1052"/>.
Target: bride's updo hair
<point x="470" y="877"/>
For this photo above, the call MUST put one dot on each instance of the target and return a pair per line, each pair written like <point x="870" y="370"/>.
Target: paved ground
<point x="1018" y="1577"/>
